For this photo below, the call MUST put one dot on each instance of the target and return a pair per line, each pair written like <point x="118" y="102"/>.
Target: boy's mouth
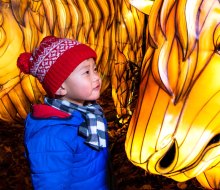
<point x="97" y="87"/>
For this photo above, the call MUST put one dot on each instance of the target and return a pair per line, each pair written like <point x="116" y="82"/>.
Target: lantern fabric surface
<point x="174" y="130"/>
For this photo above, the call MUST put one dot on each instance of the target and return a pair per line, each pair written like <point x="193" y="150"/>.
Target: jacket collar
<point x="45" y="111"/>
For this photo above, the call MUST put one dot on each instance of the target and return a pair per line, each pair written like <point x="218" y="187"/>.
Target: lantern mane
<point x="174" y="28"/>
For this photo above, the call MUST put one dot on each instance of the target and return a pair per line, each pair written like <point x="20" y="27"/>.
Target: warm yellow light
<point x="142" y="5"/>
<point x="174" y="129"/>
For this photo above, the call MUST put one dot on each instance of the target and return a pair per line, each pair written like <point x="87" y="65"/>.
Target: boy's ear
<point x="61" y="91"/>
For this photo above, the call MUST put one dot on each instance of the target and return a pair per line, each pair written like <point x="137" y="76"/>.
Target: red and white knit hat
<point x="54" y="60"/>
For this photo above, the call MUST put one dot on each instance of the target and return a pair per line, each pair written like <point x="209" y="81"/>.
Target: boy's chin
<point x="94" y="98"/>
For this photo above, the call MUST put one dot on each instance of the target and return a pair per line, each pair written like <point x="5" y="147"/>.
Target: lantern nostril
<point x="169" y="157"/>
<point x="168" y="161"/>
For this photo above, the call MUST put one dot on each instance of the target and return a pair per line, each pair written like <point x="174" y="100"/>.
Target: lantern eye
<point x="218" y="49"/>
<point x="216" y="38"/>
<point x="216" y="138"/>
<point x="217" y="46"/>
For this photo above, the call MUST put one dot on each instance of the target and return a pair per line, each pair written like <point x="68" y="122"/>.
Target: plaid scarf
<point x="94" y="129"/>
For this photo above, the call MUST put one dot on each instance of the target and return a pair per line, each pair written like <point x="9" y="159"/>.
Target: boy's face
<point x="83" y="84"/>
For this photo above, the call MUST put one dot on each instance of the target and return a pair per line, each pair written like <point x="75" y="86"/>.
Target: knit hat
<point x="54" y="60"/>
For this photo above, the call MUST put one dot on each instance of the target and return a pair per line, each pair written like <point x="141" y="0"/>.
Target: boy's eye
<point x="86" y="72"/>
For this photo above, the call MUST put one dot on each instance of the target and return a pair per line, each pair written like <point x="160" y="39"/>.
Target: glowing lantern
<point x="174" y="130"/>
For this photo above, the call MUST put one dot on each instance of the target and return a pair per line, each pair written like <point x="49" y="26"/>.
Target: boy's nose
<point x="95" y="76"/>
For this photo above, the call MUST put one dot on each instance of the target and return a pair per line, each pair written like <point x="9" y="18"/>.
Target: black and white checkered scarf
<point x="94" y="128"/>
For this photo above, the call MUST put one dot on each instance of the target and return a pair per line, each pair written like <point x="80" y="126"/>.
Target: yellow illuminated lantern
<point x="175" y="128"/>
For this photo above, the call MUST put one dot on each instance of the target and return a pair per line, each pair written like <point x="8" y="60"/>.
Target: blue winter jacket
<point x="58" y="156"/>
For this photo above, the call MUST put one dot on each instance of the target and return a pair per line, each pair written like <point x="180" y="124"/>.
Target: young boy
<point x="66" y="137"/>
